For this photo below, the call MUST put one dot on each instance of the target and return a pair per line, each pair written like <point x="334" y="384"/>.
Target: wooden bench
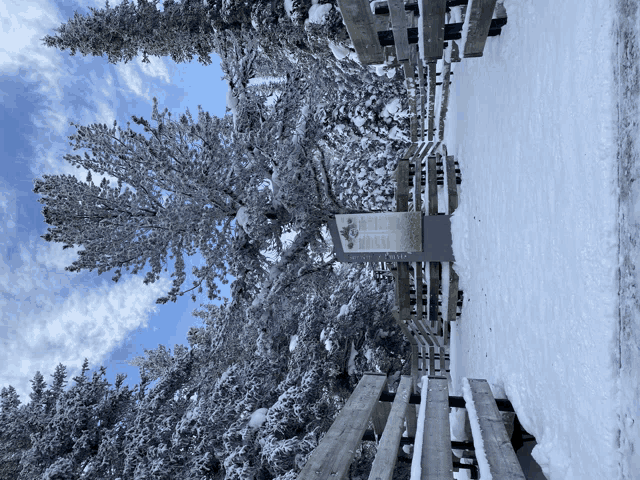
<point x="332" y="457"/>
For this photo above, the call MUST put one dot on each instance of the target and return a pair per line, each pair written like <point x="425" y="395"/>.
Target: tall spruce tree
<point x="173" y="191"/>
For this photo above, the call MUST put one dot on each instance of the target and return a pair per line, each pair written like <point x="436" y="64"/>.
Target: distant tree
<point x="10" y="401"/>
<point x="81" y="432"/>
<point x="181" y="31"/>
<point x="38" y="387"/>
<point x="57" y="387"/>
<point x="14" y="433"/>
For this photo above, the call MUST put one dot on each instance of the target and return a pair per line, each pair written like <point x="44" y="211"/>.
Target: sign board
<point x="392" y="237"/>
<point x="380" y="232"/>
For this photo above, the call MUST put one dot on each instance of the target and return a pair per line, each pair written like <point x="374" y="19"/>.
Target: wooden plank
<point x="402" y="290"/>
<point x="410" y="84"/>
<point x="432" y="361"/>
<point x="417" y="184"/>
<point x="432" y="184"/>
<point x="412" y="418"/>
<point x="432" y="99"/>
<point x="434" y="286"/>
<point x="402" y="186"/>
<point x="422" y="329"/>
<point x="503" y="463"/>
<point x="379" y="417"/>
<point x="403" y="326"/>
<point x="415" y="366"/>
<point x="411" y="151"/>
<point x="444" y="103"/>
<point x="479" y="15"/>
<point x="432" y="14"/>
<point x="399" y="26"/>
<point x="332" y="457"/>
<point x="423" y="93"/>
<point x="387" y="453"/>
<point x="452" y="186"/>
<point x="453" y="295"/>
<point x="436" y="462"/>
<point x="361" y="27"/>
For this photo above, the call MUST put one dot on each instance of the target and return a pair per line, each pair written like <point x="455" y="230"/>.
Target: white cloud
<point x="51" y="256"/>
<point x="40" y="328"/>
<point x="156" y="68"/>
<point x="21" y="28"/>
<point x="8" y="209"/>
<point x="129" y="75"/>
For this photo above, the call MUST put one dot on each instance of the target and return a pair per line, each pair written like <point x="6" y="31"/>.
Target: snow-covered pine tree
<point x="173" y="190"/>
<point x="56" y="389"/>
<point x="180" y="31"/>
<point x="14" y="433"/>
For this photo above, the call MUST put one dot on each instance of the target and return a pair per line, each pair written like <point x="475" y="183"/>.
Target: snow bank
<point x="535" y="235"/>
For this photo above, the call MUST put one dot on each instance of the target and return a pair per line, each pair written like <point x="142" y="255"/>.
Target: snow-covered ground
<point x="536" y="124"/>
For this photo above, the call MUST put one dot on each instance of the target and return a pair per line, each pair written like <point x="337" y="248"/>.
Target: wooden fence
<point x="391" y="414"/>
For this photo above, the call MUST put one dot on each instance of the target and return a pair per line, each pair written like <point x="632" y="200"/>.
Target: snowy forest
<point x="267" y="372"/>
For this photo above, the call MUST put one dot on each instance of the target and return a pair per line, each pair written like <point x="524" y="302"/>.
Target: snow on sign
<point x="381" y="232"/>
<point x="392" y="237"/>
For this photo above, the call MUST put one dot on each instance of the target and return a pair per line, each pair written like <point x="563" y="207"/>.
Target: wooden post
<point x="436" y="461"/>
<point x="434" y="287"/>
<point x="479" y="18"/>
<point x="387" y="453"/>
<point x="432" y="14"/>
<point x="422" y="97"/>
<point x="399" y="25"/>
<point x="410" y="84"/>
<point x="432" y="361"/>
<point x="379" y="417"/>
<point x="432" y="98"/>
<point x="432" y="182"/>
<point x="332" y="457"/>
<point x="501" y="457"/>
<point x="444" y="104"/>
<point x="415" y="364"/>
<point x="362" y="30"/>
<point x="452" y="185"/>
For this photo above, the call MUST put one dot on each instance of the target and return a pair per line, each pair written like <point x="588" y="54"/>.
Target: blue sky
<point x="48" y="315"/>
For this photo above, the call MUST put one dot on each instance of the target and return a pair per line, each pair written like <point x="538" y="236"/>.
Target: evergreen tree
<point x="181" y="31"/>
<point x="14" y="433"/>
<point x="10" y="401"/>
<point x="57" y="387"/>
<point x="38" y="387"/>
<point x="173" y="191"/>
